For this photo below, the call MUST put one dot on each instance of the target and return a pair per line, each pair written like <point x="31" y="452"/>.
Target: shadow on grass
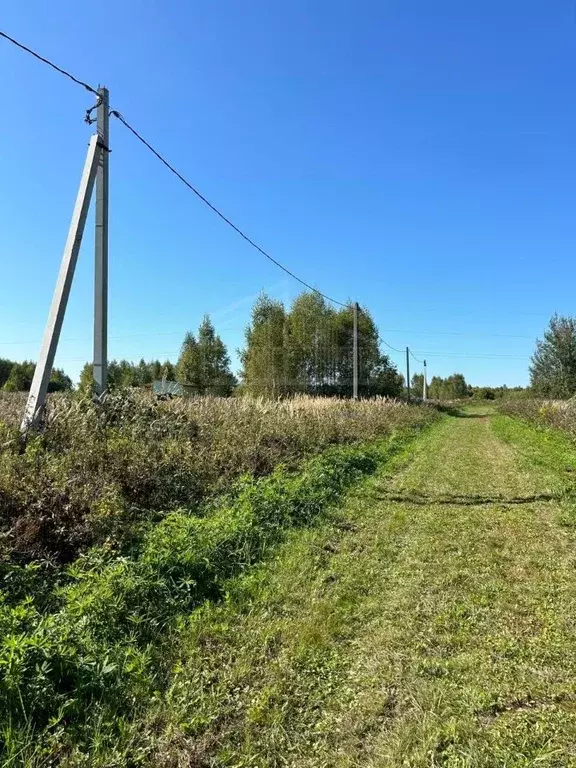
<point x="471" y="500"/>
<point x="463" y="413"/>
<point x="460" y="413"/>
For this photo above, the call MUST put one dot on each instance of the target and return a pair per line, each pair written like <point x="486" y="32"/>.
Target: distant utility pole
<point x="100" y="370"/>
<point x="425" y="383"/>
<point x="355" y="354"/>
<point x="43" y="370"/>
<point x="408" y="372"/>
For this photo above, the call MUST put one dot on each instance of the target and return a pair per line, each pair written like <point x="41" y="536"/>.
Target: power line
<point x="415" y="358"/>
<point x="219" y="213"/>
<point x="157" y="154"/>
<point x="140" y="334"/>
<point x="400" y="351"/>
<point x="457" y="333"/>
<point x="487" y="356"/>
<point x="50" y="63"/>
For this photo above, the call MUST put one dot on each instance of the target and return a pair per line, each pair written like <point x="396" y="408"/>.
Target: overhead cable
<point x="400" y="351"/>
<point x="50" y="63"/>
<point x="157" y="154"/>
<point x="219" y="213"/>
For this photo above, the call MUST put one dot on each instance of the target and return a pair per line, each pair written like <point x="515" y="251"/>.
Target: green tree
<point x="377" y="375"/>
<point x="59" y="381"/>
<point x="188" y="365"/>
<point x="435" y="388"/>
<point x="265" y="364"/>
<point x="457" y="386"/>
<point x="20" y="378"/>
<point x="308" y="344"/>
<point x="553" y="368"/>
<point x="156" y="370"/>
<point x="214" y="374"/>
<point x="168" y="371"/>
<point x="204" y="364"/>
<point x="417" y="385"/>
<point x="20" y="375"/>
<point x="86" y="383"/>
<point x="385" y="381"/>
<point x="123" y="374"/>
<point x="452" y="388"/>
<point x="143" y="373"/>
<point x="309" y="350"/>
<point x="5" y="369"/>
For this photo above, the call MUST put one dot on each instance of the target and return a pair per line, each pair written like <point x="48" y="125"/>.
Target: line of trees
<point x="453" y="387"/>
<point x="123" y="373"/>
<point x="308" y="349"/>
<point x="203" y="365"/>
<point x="495" y="393"/>
<point x="17" y="377"/>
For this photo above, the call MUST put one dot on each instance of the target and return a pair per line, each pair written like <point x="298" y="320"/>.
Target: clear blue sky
<point x="419" y="157"/>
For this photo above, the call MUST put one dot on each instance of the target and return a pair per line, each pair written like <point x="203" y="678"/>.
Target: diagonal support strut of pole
<point x="43" y="371"/>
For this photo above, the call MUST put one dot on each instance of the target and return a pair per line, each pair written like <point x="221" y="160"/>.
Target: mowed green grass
<point x="431" y="621"/>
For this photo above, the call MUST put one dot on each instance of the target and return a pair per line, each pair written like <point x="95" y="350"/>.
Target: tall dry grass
<point x="97" y="473"/>
<point x="560" y="414"/>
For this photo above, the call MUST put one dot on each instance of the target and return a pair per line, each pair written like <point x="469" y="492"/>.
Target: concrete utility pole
<point x="43" y="370"/>
<point x="408" y="372"/>
<point x="425" y="391"/>
<point x="355" y="354"/>
<point x="101" y="248"/>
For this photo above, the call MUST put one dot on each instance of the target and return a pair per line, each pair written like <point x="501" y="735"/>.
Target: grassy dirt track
<point x="430" y="622"/>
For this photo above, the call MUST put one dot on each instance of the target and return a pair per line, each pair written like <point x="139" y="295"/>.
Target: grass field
<point x="117" y="522"/>
<point x="432" y="622"/>
<point x="426" y="618"/>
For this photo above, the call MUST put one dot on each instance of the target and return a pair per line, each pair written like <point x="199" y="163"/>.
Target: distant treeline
<point x="204" y="365"/>
<point x="17" y="377"/>
<point x="455" y="387"/>
<point x="304" y="348"/>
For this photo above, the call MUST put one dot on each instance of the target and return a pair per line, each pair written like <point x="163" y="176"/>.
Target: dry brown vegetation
<point x="560" y="414"/>
<point x="97" y="473"/>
